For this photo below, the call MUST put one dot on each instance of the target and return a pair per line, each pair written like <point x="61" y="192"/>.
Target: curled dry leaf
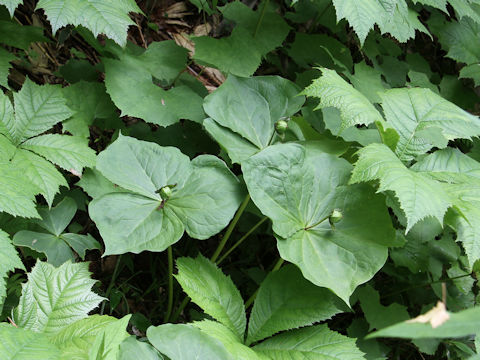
<point x="436" y="316"/>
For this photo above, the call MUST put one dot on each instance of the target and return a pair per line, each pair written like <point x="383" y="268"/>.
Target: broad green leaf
<point x="471" y="71"/>
<point x="107" y="343"/>
<point x="131" y="348"/>
<point x="95" y="103"/>
<point x="37" y="109"/>
<point x="339" y="257"/>
<point x="377" y="315"/>
<point x="40" y="172"/>
<point x="9" y="260"/>
<point x="19" y="35"/>
<point x="17" y="193"/>
<point x="355" y="108"/>
<point x="11" y="5"/>
<point x="96" y="185"/>
<point x="463" y="323"/>
<point x="76" y="340"/>
<point x="213" y="291"/>
<point x="438" y="4"/>
<point x="109" y="17"/>
<point x="185" y="342"/>
<point x="256" y="33"/>
<point x="163" y="61"/>
<point x="368" y="81"/>
<point x="69" y="152"/>
<point x="56" y="250"/>
<point x="311" y="343"/>
<point x="54" y="298"/>
<point x="24" y="344"/>
<point x="56" y="219"/>
<point x="5" y="58"/>
<point x="244" y="112"/>
<point x="234" y="346"/>
<point x="419" y="195"/>
<point x="424" y="119"/>
<point x="204" y="199"/>
<point x="286" y="301"/>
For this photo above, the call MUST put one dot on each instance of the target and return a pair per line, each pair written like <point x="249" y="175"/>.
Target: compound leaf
<point x="213" y="291"/>
<point x="9" y="260"/>
<point x="54" y="298"/>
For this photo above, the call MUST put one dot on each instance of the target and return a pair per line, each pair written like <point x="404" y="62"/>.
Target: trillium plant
<point x="235" y="180"/>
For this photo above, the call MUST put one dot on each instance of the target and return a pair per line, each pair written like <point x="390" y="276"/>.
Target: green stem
<point x="260" y="19"/>
<point x="317" y="223"/>
<point x="112" y="283"/>
<point x="277" y="266"/>
<point x="170" y="285"/>
<point x="242" y="239"/>
<point x="218" y="250"/>
<point x="230" y="228"/>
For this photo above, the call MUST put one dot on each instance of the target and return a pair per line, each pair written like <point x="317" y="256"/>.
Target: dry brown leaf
<point x="436" y="316"/>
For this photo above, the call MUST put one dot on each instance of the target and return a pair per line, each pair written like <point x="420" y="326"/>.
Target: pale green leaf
<point x="213" y="291"/>
<point x="419" y="195"/>
<point x="24" y="344"/>
<point x="471" y="71"/>
<point x="424" y="119"/>
<point x="54" y="298"/>
<point x="69" y="152"/>
<point x="311" y="343"/>
<point x="37" y="109"/>
<point x="205" y="196"/>
<point x="368" y="81"/>
<point x="11" y="5"/>
<point x="185" y="342"/>
<point x="109" y="17"/>
<point x="244" y="112"/>
<point x="107" y="343"/>
<point x="333" y="91"/>
<point x="5" y="58"/>
<point x="164" y="61"/>
<point x="9" y="260"/>
<point x="286" y="301"/>
<point x="96" y="185"/>
<point x="463" y="323"/>
<point x="438" y="4"/>
<point x="56" y="219"/>
<point x="131" y="348"/>
<point x="228" y="339"/>
<point x="339" y="257"/>
<point x="40" y="172"/>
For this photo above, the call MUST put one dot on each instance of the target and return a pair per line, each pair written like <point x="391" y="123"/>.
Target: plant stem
<point x="112" y="283"/>
<point x="170" y="285"/>
<point x="277" y="266"/>
<point x="317" y="223"/>
<point x="218" y="250"/>
<point x="242" y="239"/>
<point x="230" y="228"/>
<point x="260" y="19"/>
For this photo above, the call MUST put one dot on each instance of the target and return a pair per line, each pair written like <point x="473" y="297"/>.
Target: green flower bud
<point x="281" y="126"/>
<point x="165" y="192"/>
<point x="335" y="217"/>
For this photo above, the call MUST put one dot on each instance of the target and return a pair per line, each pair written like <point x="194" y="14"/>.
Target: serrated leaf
<point x="459" y="324"/>
<point x="471" y="71"/>
<point x="5" y="58"/>
<point x="109" y="17"/>
<point x="107" y="343"/>
<point x="54" y="298"/>
<point x="424" y="119"/>
<point x="340" y="257"/>
<point x="37" y="109"/>
<point x="285" y="301"/>
<point x="244" y="112"/>
<point x="213" y="291"/>
<point x="311" y="343"/>
<point x="355" y="109"/>
<point x="185" y="342"/>
<point x="437" y="4"/>
<point x="69" y="152"/>
<point x="11" y="5"/>
<point x="237" y="349"/>
<point x="40" y="173"/>
<point x="19" y="35"/>
<point x="204" y="199"/>
<point x="419" y="195"/>
<point x="9" y="260"/>
<point x="24" y="344"/>
<point x="163" y="61"/>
